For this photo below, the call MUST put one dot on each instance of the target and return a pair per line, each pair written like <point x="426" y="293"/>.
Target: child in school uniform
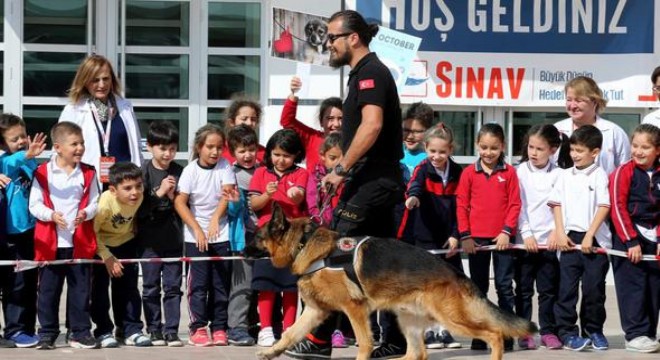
<point x="580" y="203"/>
<point x="202" y="205"/>
<point x="243" y="111"/>
<point x="281" y="181"/>
<point x="319" y="206"/>
<point x="18" y="163"/>
<point x="487" y="208"/>
<point x="5" y="285"/>
<point x="160" y="235"/>
<point x="635" y="212"/>
<point x="64" y="199"/>
<point x="243" y="142"/>
<point x="115" y="226"/>
<point x="430" y="214"/>
<point x="537" y="174"/>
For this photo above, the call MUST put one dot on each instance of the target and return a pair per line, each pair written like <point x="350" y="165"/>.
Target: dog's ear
<point x="278" y="224"/>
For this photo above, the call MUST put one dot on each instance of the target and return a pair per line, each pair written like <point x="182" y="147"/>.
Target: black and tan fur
<point x="420" y="289"/>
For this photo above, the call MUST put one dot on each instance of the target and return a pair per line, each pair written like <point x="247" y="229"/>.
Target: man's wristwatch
<point x="339" y="170"/>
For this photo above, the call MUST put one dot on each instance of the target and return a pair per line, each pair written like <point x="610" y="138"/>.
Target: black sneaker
<point x="388" y="351"/>
<point x="6" y="344"/>
<point x="173" y="340"/>
<point x="478" y="344"/>
<point x="239" y="337"/>
<point x="87" y="342"/>
<point x="157" y="339"/>
<point x="508" y="344"/>
<point x="46" y="344"/>
<point x="306" y="349"/>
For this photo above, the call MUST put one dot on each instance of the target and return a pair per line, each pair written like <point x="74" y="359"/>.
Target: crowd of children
<point x="557" y="203"/>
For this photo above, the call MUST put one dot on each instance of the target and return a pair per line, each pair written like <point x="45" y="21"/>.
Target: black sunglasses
<point x="333" y="37"/>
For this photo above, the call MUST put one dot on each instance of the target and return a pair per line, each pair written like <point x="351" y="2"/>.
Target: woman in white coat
<point x="109" y="126"/>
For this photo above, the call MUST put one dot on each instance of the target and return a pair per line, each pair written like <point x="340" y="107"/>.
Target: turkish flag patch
<point x="367" y="84"/>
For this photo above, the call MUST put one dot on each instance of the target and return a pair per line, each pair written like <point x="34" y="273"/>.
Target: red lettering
<point x="495" y="84"/>
<point x="471" y="82"/>
<point x="515" y="81"/>
<point x="443" y="89"/>
<point x="475" y="82"/>
<point x="459" y="82"/>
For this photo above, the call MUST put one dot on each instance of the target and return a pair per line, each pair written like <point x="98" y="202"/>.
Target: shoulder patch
<point x="367" y="84"/>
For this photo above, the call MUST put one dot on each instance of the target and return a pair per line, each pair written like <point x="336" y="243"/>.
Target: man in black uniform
<point x="371" y="142"/>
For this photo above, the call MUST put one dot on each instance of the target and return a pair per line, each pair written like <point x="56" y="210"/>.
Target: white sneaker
<point x="266" y="337"/>
<point x="137" y="339"/>
<point x="642" y="344"/>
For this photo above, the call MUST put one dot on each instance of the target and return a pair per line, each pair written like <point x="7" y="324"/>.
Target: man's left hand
<point x="331" y="181"/>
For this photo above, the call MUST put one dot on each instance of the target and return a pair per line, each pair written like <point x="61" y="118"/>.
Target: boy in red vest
<point x="64" y="199"/>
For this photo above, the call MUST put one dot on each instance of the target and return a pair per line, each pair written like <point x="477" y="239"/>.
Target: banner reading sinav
<point x="522" y="52"/>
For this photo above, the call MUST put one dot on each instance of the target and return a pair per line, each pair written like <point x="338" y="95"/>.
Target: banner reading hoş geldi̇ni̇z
<point x="522" y="52"/>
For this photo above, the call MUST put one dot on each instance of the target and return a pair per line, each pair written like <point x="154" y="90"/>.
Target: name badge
<point x="106" y="163"/>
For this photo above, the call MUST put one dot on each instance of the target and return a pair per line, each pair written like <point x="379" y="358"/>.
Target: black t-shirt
<point x="159" y="226"/>
<point x="371" y="83"/>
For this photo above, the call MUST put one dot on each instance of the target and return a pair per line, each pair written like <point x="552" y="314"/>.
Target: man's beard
<point x="337" y="62"/>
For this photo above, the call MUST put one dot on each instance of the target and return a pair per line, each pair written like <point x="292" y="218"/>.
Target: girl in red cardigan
<point x="487" y="209"/>
<point x="330" y="116"/>
<point x="635" y="210"/>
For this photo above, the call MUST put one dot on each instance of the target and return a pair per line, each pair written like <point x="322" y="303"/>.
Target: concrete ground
<point x="612" y="331"/>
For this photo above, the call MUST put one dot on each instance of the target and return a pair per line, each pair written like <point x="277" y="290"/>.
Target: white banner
<point x="522" y="52"/>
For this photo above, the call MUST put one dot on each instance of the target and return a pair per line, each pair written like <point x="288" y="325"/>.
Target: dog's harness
<point x="342" y="258"/>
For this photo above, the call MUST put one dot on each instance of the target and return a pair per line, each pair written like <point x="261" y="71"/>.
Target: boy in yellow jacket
<point x="115" y="229"/>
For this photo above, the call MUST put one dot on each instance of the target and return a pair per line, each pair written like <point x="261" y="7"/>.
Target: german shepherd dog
<point x="392" y="275"/>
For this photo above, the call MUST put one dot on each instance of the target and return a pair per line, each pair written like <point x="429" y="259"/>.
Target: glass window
<point x="231" y="75"/>
<point x="55" y="22"/>
<point x="158" y="23"/>
<point x="177" y="116"/>
<point x="216" y="116"/>
<point x="462" y="123"/>
<point x="2" y="20"/>
<point x="49" y="73"/>
<point x="627" y="121"/>
<point x="523" y="121"/>
<point x="2" y="72"/>
<point x="234" y="25"/>
<point x="157" y="76"/>
<point x="40" y="118"/>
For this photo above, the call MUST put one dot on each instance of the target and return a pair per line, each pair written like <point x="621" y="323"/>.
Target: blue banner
<point x="521" y="26"/>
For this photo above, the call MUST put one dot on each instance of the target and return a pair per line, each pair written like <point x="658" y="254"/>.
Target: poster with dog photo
<point x="300" y="37"/>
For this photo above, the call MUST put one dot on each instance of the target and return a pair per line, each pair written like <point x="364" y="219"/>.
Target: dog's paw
<point x="265" y="354"/>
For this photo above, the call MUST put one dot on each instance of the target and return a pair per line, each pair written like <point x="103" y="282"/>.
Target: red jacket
<point x="45" y="233"/>
<point x="634" y="200"/>
<point x="312" y="139"/>
<point x="487" y="205"/>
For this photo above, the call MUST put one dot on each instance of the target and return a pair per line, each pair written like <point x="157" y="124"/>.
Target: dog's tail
<point x="510" y="324"/>
<point x="507" y="323"/>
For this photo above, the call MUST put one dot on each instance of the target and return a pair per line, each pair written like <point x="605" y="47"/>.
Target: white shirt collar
<point x="586" y="171"/>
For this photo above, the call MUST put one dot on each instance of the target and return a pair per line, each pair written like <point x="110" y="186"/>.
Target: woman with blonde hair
<point x="584" y="104"/>
<point x="107" y="119"/>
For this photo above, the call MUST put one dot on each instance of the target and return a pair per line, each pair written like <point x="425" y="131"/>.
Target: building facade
<point x="184" y="60"/>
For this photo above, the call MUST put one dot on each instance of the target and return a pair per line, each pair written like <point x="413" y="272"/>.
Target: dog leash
<point x="330" y="192"/>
